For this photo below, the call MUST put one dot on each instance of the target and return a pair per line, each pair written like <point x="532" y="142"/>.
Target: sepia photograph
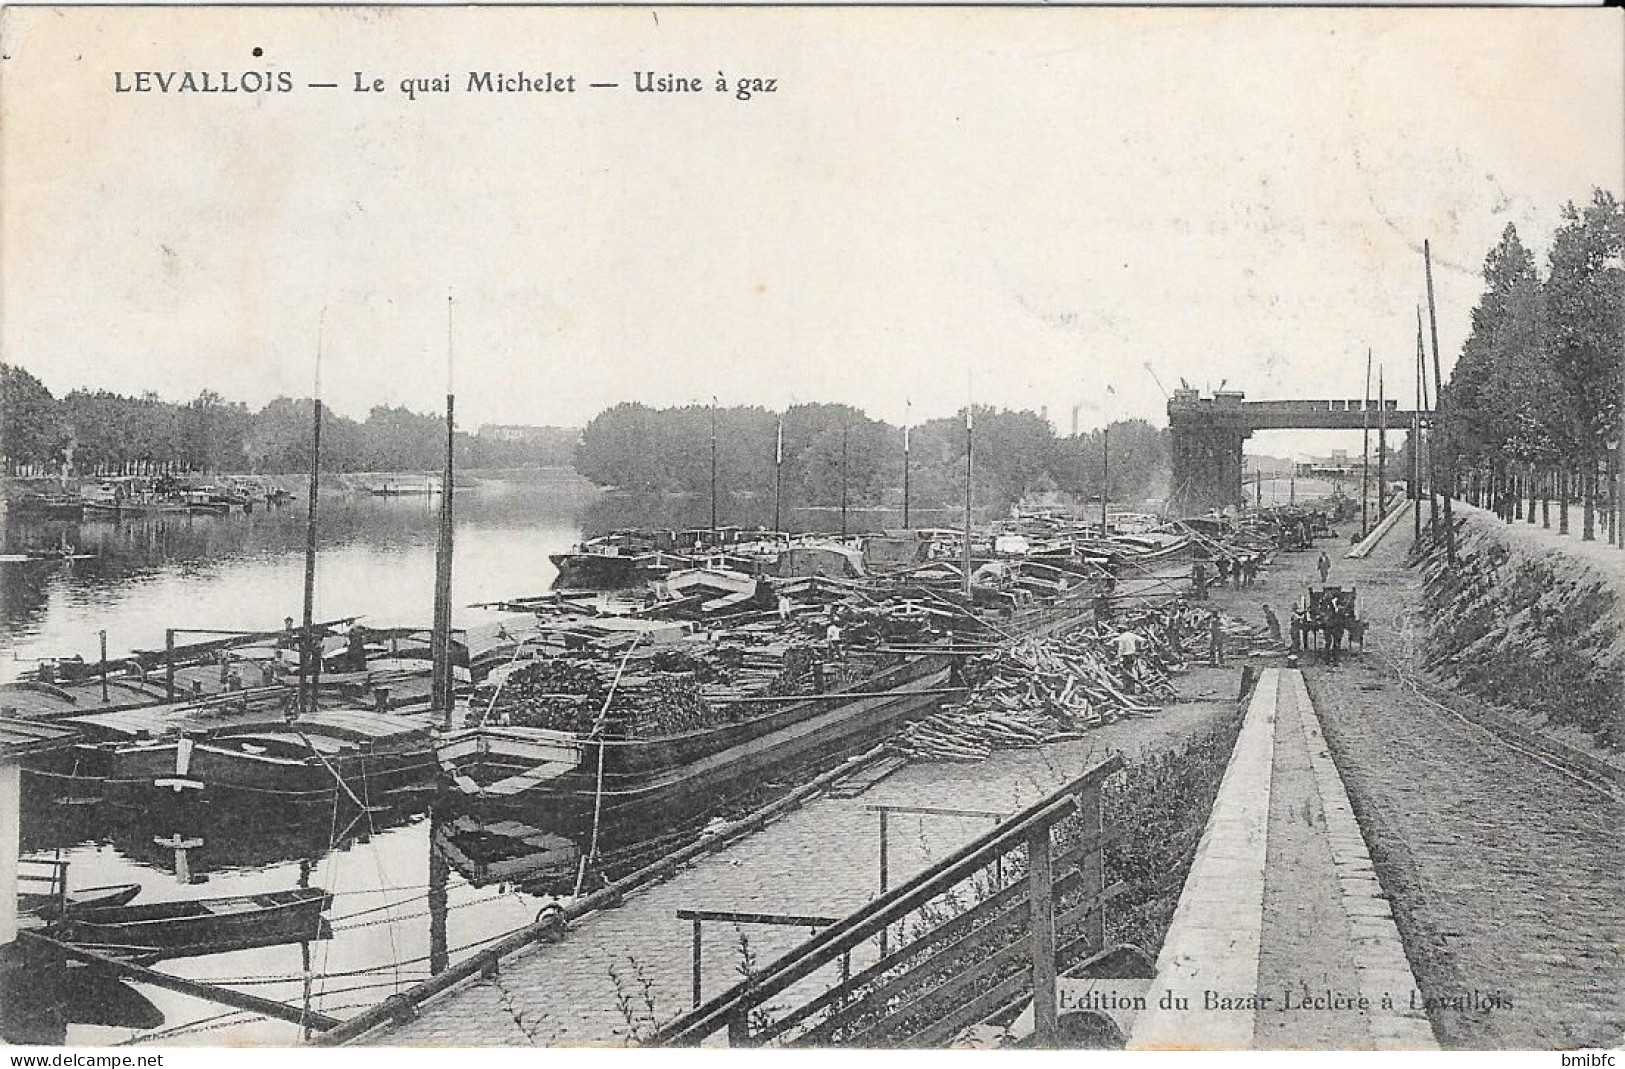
<point x="937" y="528"/>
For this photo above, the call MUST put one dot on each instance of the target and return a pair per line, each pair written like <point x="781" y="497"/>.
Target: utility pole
<point x="1415" y="474"/>
<point x="1432" y="431"/>
<point x="1438" y="404"/>
<point x="1382" y="449"/>
<point x="1365" y="450"/>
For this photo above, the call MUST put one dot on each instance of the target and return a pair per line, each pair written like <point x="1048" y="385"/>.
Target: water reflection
<point x="245" y="571"/>
<point x="398" y="911"/>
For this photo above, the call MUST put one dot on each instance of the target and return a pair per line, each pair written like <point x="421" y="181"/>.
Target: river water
<point x="245" y="572"/>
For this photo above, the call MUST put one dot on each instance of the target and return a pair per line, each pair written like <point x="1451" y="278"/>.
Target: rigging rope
<point x="598" y="790"/>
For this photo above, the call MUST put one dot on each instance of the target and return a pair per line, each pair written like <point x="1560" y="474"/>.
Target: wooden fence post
<point x="1041" y="906"/>
<point x="885" y="933"/>
<point x="697" y="925"/>
<point x="1092" y="866"/>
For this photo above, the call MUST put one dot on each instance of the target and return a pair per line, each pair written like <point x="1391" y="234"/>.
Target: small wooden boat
<point x="49" y="906"/>
<point x="399" y="490"/>
<point x="502" y="850"/>
<point x="43" y="556"/>
<point x="200" y="926"/>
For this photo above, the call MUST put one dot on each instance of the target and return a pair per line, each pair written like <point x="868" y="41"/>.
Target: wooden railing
<point x="44" y="877"/>
<point x="1036" y="884"/>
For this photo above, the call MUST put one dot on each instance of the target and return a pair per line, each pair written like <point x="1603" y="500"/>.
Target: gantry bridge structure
<point x="1208" y="433"/>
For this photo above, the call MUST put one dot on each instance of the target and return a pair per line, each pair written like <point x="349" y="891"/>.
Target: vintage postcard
<point x="837" y="527"/>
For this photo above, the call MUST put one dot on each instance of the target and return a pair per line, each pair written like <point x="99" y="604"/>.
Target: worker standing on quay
<point x="1215" y="635"/>
<point x="1129" y="644"/>
<point x="1272" y="624"/>
<point x="1324" y="566"/>
<point x="832" y="637"/>
<point x="1199" y="581"/>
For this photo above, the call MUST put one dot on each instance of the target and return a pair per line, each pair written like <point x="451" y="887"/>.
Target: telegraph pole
<point x="1420" y="370"/>
<point x="1382" y="449"/>
<point x="1365" y="450"/>
<point x="1438" y="404"/>
<point x="1432" y="431"/>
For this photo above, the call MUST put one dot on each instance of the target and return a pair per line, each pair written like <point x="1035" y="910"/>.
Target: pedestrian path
<point x="1283" y="937"/>
<point x="618" y="973"/>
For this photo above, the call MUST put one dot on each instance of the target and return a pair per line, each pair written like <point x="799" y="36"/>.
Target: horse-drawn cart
<point x="1324" y="618"/>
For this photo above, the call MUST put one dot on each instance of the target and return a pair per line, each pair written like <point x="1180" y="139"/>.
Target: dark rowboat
<point x="50" y="906"/>
<point x="200" y="926"/>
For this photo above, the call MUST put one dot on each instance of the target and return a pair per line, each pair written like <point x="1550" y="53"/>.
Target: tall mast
<point x="908" y="418"/>
<point x="310" y="674"/>
<point x="442" y="683"/>
<point x="970" y="468"/>
<point x="713" y="468"/>
<point x="778" y="475"/>
<point x="844" y="423"/>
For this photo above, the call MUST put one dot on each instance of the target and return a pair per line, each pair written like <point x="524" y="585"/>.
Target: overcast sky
<point x="1047" y="200"/>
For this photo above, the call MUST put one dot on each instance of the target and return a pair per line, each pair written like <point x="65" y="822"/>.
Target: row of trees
<point x="1534" y="403"/>
<point x="837" y="452"/>
<point x="101" y="433"/>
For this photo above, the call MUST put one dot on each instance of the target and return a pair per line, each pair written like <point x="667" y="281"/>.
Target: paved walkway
<point x="1506" y="874"/>
<point x="1283" y="937"/>
<point x="618" y="972"/>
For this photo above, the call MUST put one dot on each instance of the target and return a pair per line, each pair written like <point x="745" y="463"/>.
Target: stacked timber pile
<point x="568" y="693"/>
<point x="1049" y="690"/>
<point x="672" y="688"/>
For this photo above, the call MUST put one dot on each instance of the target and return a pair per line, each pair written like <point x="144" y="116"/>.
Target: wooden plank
<point x="1014" y="918"/>
<point x="1067" y="956"/>
<point x="955" y="929"/>
<point x="728" y="916"/>
<point x="871" y="1036"/>
<point x="974" y="1011"/>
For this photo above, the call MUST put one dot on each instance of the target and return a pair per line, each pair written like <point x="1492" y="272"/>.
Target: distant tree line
<point x="1533" y="405"/>
<point x="101" y="433"/>
<point x="828" y="446"/>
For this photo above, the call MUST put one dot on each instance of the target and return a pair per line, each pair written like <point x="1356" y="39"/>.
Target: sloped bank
<point x="1530" y="620"/>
